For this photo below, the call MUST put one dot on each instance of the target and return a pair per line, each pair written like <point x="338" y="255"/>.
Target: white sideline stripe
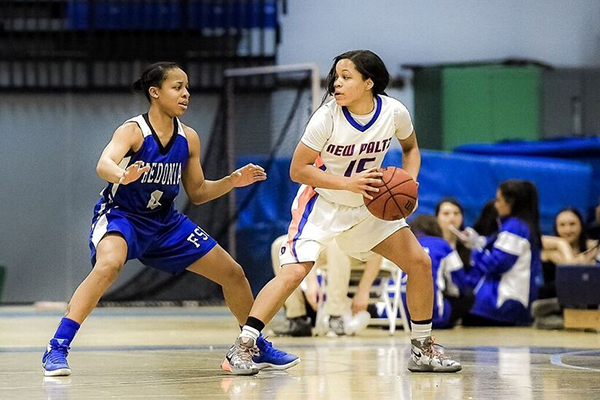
<point x="556" y="359"/>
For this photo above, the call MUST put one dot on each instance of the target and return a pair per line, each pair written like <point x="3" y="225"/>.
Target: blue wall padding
<point x="472" y="179"/>
<point x="562" y="148"/>
<point x="586" y="150"/>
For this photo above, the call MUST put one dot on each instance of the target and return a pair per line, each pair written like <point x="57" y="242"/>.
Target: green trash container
<point x="458" y="104"/>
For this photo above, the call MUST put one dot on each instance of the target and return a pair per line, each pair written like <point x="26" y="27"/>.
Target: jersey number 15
<point x="360" y="167"/>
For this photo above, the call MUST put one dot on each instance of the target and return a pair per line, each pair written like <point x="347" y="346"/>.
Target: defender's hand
<point x="247" y="175"/>
<point x="133" y="173"/>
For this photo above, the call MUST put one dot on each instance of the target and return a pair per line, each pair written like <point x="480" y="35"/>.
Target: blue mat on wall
<point x="472" y="179"/>
<point x="586" y="150"/>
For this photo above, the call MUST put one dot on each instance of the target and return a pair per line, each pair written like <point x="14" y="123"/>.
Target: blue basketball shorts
<point x="169" y="243"/>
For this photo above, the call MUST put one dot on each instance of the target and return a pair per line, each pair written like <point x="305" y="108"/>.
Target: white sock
<point x="420" y="331"/>
<point x="250" y="332"/>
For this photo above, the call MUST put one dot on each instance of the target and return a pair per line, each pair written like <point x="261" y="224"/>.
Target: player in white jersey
<point x="337" y="160"/>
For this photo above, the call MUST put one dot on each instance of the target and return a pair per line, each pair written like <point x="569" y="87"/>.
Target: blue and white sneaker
<point x="270" y="357"/>
<point x="54" y="359"/>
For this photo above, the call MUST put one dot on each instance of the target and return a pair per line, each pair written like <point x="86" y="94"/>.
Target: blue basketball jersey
<point x="509" y="272"/>
<point x="155" y="191"/>
<point x="142" y="212"/>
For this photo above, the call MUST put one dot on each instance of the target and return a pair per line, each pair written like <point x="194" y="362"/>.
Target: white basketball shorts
<point x="317" y="221"/>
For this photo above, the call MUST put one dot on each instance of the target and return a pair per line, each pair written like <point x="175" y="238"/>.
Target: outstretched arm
<point x="360" y="302"/>
<point x="127" y="137"/>
<point x="201" y="190"/>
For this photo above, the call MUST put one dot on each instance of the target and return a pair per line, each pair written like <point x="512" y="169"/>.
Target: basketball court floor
<point x="175" y="353"/>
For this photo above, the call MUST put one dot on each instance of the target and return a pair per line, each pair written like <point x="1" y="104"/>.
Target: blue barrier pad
<point x="472" y="179"/>
<point x="586" y="150"/>
<point x="560" y="148"/>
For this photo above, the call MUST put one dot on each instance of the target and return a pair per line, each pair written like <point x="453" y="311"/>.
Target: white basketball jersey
<point x="349" y="144"/>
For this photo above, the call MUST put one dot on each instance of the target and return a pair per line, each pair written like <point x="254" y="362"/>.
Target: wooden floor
<point x="174" y="353"/>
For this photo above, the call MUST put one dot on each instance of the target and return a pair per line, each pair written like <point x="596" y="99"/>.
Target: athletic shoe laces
<point x="247" y="353"/>
<point x="58" y="354"/>
<point x="429" y="349"/>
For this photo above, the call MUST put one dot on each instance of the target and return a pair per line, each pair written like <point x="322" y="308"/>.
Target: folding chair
<point x="386" y="289"/>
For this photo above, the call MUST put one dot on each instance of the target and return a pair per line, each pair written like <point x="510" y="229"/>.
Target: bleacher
<point x="101" y="45"/>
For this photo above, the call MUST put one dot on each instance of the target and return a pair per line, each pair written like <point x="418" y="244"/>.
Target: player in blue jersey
<point x="507" y="264"/>
<point x="144" y="163"/>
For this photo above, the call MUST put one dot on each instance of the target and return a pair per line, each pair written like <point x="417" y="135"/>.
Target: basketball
<point x="397" y="195"/>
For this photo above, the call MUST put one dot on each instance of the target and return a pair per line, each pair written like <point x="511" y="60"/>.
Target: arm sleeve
<point x="403" y="126"/>
<point x="319" y="129"/>
<point x="509" y="245"/>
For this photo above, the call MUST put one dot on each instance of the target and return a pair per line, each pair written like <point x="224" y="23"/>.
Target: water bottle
<point x="354" y="324"/>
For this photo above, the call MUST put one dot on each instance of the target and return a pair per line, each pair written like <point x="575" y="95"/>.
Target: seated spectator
<point x="449" y="212"/>
<point x="452" y="296"/>
<point x="302" y="304"/>
<point x="570" y="233"/>
<point x="569" y="246"/>
<point x="508" y="266"/>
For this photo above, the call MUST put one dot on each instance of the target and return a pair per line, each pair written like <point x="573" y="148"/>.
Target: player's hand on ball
<point x="247" y="175"/>
<point x="133" y="173"/>
<point x="365" y="181"/>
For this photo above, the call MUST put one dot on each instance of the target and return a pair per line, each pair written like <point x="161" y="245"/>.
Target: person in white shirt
<point x="338" y="159"/>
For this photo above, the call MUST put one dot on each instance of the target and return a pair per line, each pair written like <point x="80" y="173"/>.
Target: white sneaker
<point x="238" y="360"/>
<point x="425" y="358"/>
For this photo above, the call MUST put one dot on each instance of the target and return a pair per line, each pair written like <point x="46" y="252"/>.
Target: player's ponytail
<point x="368" y="64"/>
<point x="137" y="86"/>
<point x="153" y="75"/>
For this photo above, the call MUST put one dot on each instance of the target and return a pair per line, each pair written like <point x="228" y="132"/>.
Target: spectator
<point x="452" y="296"/>
<point x="570" y="246"/>
<point x="569" y="226"/>
<point x="449" y="212"/>
<point x="508" y="267"/>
